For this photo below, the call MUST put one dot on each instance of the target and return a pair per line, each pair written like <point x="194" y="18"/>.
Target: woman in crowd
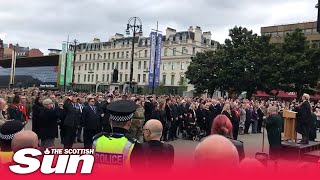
<point x="243" y="116"/>
<point x="232" y="117"/>
<point x="254" y="120"/>
<point x="223" y="126"/>
<point x="164" y="121"/>
<point x="36" y="110"/>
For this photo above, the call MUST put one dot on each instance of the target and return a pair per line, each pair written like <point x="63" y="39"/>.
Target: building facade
<point x="278" y="32"/>
<point x="7" y="52"/>
<point x="96" y="61"/>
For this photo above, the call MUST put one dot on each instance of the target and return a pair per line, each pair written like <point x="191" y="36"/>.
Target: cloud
<point x="45" y="24"/>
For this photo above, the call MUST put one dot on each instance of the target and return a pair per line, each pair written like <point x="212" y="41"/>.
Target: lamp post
<point x="74" y="46"/>
<point x="318" y="20"/>
<point x="135" y="24"/>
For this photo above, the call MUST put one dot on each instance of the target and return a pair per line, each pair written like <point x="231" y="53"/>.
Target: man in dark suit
<point x="260" y="119"/>
<point x="148" y="108"/>
<point x="175" y="122"/>
<point x="71" y="121"/>
<point x="248" y="119"/>
<point x="304" y="119"/>
<point x="274" y="128"/>
<point x="91" y="121"/>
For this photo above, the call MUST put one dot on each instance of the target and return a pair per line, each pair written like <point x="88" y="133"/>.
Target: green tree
<point x="300" y="64"/>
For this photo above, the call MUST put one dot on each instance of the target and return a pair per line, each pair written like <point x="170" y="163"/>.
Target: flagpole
<point x="65" y="67"/>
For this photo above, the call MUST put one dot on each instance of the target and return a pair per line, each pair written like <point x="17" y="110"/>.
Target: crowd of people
<point x="83" y="118"/>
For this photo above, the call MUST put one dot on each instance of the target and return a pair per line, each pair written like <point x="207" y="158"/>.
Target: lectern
<point x="290" y="132"/>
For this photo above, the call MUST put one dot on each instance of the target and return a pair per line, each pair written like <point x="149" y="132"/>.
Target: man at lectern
<point x="304" y="119"/>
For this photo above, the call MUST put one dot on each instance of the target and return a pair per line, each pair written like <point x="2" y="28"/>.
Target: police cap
<point x="122" y="111"/>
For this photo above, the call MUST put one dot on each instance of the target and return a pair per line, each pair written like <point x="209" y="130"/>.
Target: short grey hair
<point x="307" y="96"/>
<point x="272" y="109"/>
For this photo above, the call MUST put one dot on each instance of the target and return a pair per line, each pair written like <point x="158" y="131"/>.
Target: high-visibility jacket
<point x="113" y="150"/>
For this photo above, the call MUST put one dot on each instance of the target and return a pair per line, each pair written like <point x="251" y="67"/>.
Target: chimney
<point x="96" y="40"/>
<point x="170" y="32"/>
<point x="191" y="29"/>
<point x="197" y="34"/>
<point x="207" y="35"/>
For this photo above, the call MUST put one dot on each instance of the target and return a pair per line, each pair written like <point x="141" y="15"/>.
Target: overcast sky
<point x="45" y="24"/>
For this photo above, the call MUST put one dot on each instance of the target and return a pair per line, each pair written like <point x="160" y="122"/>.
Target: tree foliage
<point x="248" y="62"/>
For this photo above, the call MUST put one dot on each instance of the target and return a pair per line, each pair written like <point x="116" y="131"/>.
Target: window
<point x="308" y="31"/>
<point x="172" y="80"/>
<point x="78" y="78"/>
<point x="97" y="77"/>
<point x="120" y="78"/>
<point x="145" y="53"/>
<point x="165" y="52"/>
<point x="79" y="57"/>
<point x="139" y="65"/>
<point x="93" y="66"/>
<point x="88" y="77"/>
<point x="144" y="78"/>
<point x="193" y="51"/>
<point x="90" y="57"/>
<point x="103" y="76"/>
<point x="79" y="68"/>
<point x="94" y="56"/>
<point x="126" y="65"/>
<point x="122" y="54"/>
<point x="104" y="55"/>
<point x="144" y="64"/>
<point x="173" y="66"/>
<point x="86" y="56"/>
<point x="126" y="77"/>
<point x="85" y="67"/>
<point x="184" y="50"/>
<point x="97" y="66"/>
<point x="98" y="56"/>
<point x="139" y="54"/>
<point x="112" y="66"/>
<point x="127" y="54"/>
<point x="182" y="65"/>
<point x="109" y="55"/>
<point x="104" y="66"/>
<point x="118" y="55"/>
<point x="113" y="55"/>
<point x="164" y="66"/>
<point x="139" y="77"/>
<point x="181" y="80"/>
<point x="117" y="65"/>
<point x="84" y="78"/>
<point x="108" y="66"/>
<point x="108" y="77"/>
<point x="90" y="67"/>
<point x="174" y="51"/>
<point x="121" y="65"/>
<point x="164" y="77"/>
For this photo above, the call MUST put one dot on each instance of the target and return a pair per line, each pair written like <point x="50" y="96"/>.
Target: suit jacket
<point x="73" y="115"/>
<point x="91" y="119"/>
<point x="304" y="114"/>
<point x="240" y="148"/>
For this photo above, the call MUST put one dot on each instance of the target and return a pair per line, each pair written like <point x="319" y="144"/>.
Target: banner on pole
<point x="153" y="41"/>
<point x="158" y="60"/>
<point x="62" y="64"/>
<point x="69" y="68"/>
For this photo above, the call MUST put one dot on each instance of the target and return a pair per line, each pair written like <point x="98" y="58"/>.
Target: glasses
<point x="91" y="101"/>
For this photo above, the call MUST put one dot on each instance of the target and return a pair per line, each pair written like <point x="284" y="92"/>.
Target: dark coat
<point x="313" y="127"/>
<point x="148" y="108"/>
<point x="304" y="114"/>
<point x="240" y="148"/>
<point x="274" y="128"/>
<point x="72" y="115"/>
<point x="48" y="124"/>
<point x="15" y="113"/>
<point x="91" y="120"/>
<point x="36" y="110"/>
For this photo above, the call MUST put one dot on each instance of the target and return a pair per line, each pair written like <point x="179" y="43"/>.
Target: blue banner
<point x="153" y="41"/>
<point x="158" y="60"/>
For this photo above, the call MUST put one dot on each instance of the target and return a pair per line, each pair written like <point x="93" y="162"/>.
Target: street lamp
<point x="74" y="46"/>
<point x="318" y="20"/>
<point x="135" y="24"/>
<point x="13" y="66"/>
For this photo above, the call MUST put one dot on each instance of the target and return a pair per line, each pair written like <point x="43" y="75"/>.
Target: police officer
<point x="115" y="149"/>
